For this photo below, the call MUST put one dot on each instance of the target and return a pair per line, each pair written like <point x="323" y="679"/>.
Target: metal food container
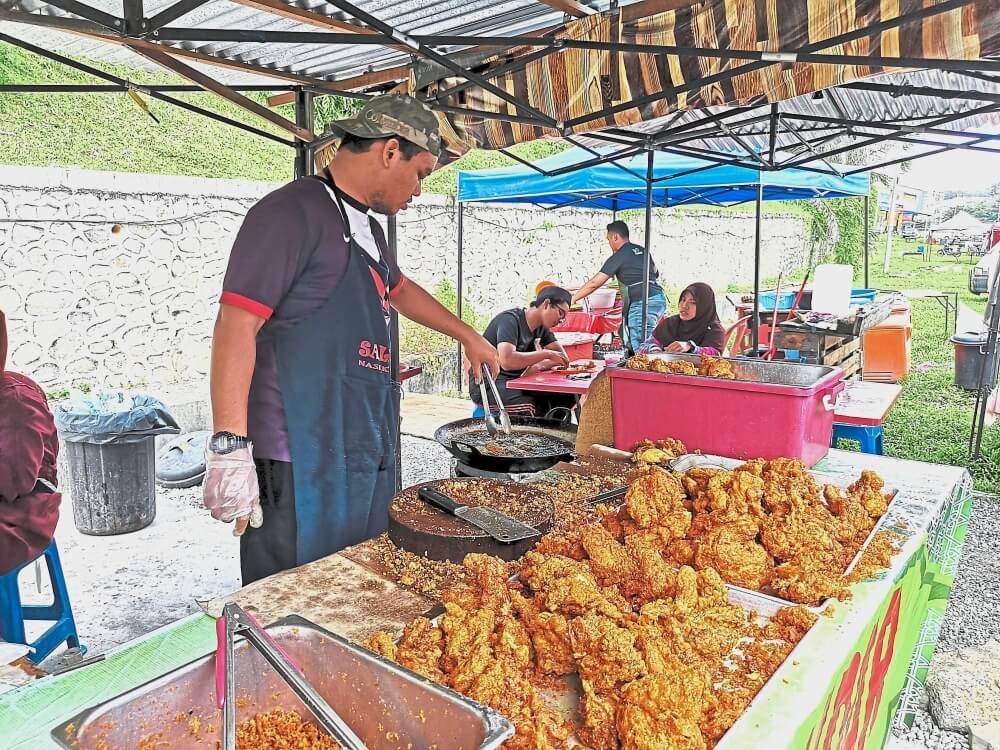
<point x="772" y="410"/>
<point x="388" y="706"/>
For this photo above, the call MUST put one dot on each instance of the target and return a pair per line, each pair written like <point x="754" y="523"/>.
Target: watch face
<point x="222" y="443"/>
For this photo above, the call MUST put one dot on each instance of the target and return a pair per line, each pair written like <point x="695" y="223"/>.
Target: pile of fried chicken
<point x="636" y="607"/>
<point x="710" y="367"/>
<point x="650" y="452"/>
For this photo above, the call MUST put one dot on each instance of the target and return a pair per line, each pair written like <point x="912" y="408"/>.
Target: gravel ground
<point x="973" y="614"/>
<point x="124" y="586"/>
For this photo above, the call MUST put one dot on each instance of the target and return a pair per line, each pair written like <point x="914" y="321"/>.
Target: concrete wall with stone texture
<point x="110" y="279"/>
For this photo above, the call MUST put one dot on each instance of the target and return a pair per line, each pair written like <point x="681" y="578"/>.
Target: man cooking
<point x="627" y="263"/>
<point x="301" y="351"/>
<point x="525" y="342"/>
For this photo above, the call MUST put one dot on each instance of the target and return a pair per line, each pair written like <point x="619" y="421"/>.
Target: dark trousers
<point x="271" y="548"/>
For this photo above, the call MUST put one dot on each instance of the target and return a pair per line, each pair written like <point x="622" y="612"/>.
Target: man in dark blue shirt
<point x="628" y="264"/>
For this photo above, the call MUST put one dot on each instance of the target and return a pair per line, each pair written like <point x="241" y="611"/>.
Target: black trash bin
<point x="110" y="451"/>
<point x="970" y="351"/>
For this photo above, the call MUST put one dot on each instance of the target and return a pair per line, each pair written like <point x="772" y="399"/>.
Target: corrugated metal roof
<point x="857" y="106"/>
<point x="458" y="17"/>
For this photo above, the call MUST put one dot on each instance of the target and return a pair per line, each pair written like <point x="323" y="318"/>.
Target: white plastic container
<point x="601" y="299"/>
<point x="832" y="288"/>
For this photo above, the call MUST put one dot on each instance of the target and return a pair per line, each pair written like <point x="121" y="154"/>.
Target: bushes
<point x="418" y="340"/>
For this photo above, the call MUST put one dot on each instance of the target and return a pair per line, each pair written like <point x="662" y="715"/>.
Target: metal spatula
<point x="501" y="527"/>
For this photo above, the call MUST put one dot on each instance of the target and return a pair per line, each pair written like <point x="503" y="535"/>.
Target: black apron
<point x="342" y="409"/>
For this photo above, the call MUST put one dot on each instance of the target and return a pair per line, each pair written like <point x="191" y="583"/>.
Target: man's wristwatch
<point x="694" y="346"/>
<point x="226" y="442"/>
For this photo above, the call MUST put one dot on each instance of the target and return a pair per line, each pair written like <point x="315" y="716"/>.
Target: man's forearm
<point x="417" y="304"/>
<point x="234" y="354"/>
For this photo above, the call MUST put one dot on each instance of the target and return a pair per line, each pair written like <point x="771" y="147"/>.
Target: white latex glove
<point x="230" y="490"/>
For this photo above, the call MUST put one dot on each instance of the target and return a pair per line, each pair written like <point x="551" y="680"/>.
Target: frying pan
<point x="451" y="437"/>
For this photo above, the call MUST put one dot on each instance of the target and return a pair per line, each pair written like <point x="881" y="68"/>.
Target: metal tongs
<point x="491" y="423"/>
<point x="235" y="621"/>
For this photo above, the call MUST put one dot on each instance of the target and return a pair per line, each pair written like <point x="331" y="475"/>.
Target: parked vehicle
<point x="984" y="272"/>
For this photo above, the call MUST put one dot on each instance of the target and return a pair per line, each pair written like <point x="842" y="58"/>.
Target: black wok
<point x="451" y="437"/>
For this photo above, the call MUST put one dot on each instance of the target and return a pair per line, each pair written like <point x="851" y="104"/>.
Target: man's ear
<point x="391" y="150"/>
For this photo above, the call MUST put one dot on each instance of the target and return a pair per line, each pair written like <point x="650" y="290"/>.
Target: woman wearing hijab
<point x="29" y="503"/>
<point x="695" y="329"/>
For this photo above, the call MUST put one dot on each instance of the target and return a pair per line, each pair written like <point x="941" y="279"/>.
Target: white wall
<point x="88" y="305"/>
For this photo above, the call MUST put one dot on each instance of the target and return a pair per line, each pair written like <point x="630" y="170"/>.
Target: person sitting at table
<point x="524" y="339"/>
<point x="695" y="329"/>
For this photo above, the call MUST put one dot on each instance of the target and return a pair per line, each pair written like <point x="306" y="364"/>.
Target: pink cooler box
<point x="775" y="410"/>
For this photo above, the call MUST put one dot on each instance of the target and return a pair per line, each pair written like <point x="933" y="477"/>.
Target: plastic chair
<point x="870" y="438"/>
<point x="13" y="614"/>
<point x="740" y="343"/>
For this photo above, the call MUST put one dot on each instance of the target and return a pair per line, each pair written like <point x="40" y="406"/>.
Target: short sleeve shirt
<point x="628" y="265"/>
<point x="289" y="256"/>
<point x="511" y="327"/>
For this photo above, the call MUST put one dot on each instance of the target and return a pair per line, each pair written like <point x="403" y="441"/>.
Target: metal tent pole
<point x="648" y="240"/>
<point x="755" y="334"/>
<point x="304" y="119"/>
<point x="867" y="238"/>
<point x="890" y="221"/>
<point x="614" y="209"/>
<point x="394" y="355"/>
<point x="458" y="293"/>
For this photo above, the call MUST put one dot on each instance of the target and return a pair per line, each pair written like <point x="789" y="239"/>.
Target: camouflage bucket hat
<point x="395" y="115"/>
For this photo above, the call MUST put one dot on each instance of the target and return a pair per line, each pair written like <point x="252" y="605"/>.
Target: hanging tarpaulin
<point x="585" y="89"/>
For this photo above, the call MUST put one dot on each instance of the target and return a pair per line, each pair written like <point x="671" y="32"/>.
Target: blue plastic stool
<point x="870" y="438"/>
<point x="13" y="614"/>
<point x="478" y="413"/>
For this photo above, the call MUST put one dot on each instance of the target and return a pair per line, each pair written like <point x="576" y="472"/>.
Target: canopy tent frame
<point x="711" y="192"/>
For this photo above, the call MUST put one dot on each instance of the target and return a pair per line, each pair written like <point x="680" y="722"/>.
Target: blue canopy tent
<point x="584" y="179"/>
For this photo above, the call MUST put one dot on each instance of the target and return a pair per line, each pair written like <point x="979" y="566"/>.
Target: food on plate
<point x="281" y="729"/>
<point x="658" y="451"/>
<point x="582" y="365"/>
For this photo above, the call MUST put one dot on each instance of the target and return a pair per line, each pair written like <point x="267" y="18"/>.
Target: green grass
<point x="932" y="419"/>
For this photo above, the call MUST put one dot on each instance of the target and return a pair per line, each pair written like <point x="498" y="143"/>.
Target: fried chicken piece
<point x="695" y="480"/>
<point x="853" y="521"/>
<point x="808" y="583"/>
<point x="613" y="520"/>
<point x="732" y="698"/>
<point x="468" y="651"/>
<point x="712" y="633"/>
<point x="605" y="652"/>
<point x="732" y="494"/>
<point x="639" y="362"/>
<point x="800" y="535"/>
<point x="716" y="367"/>
<point x="652" y="496"/>
<point x="673" y="366"/>
<point x="662" y="711"/>
<point x="731" y="548"/>
<point x="868" y="491"/>
<point x="565" y="586"/>
<point x="765" y="657"/>
<point x="655" y="577"/>
<point x="877" y="556"/>
<point x="598" y="712"/>
<point x="421" y="648"/>
<point x="788" y="486"/>
<point x="789" y="624"/>
<point x="381" y="643"/>
<point x="608" y="558"/>
<point x="681" y="552"/>
<point x="658" y="451"/>
<point x="549" y="634"/>
<point x="565" y="544"/>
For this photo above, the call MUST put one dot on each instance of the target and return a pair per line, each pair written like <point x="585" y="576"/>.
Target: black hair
<point x="554" y="294"/>
<point x="620" y="228"/>
<point x="358" y="145"/>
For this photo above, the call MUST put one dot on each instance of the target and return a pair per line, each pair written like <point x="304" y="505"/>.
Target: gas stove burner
<point x="459" y="469"/>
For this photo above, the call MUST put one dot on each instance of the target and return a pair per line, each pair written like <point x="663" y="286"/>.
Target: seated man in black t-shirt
<point x="526" y="344"/>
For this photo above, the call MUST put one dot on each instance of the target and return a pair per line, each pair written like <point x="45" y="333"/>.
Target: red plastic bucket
<point x="733" y="418"/>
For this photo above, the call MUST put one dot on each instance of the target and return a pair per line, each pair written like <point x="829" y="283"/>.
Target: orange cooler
<point x="887" y="349"/>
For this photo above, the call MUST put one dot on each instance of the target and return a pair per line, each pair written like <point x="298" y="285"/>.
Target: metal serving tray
<point x="756" y="370"/>
<point x="390" y="707"/>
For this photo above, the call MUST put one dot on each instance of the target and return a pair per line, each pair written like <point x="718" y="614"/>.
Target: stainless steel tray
<point x="390" y="707"/>
<point x="757" y="370"/>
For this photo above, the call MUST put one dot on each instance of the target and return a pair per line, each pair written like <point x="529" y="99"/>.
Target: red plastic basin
<point x="733" y="418"/>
